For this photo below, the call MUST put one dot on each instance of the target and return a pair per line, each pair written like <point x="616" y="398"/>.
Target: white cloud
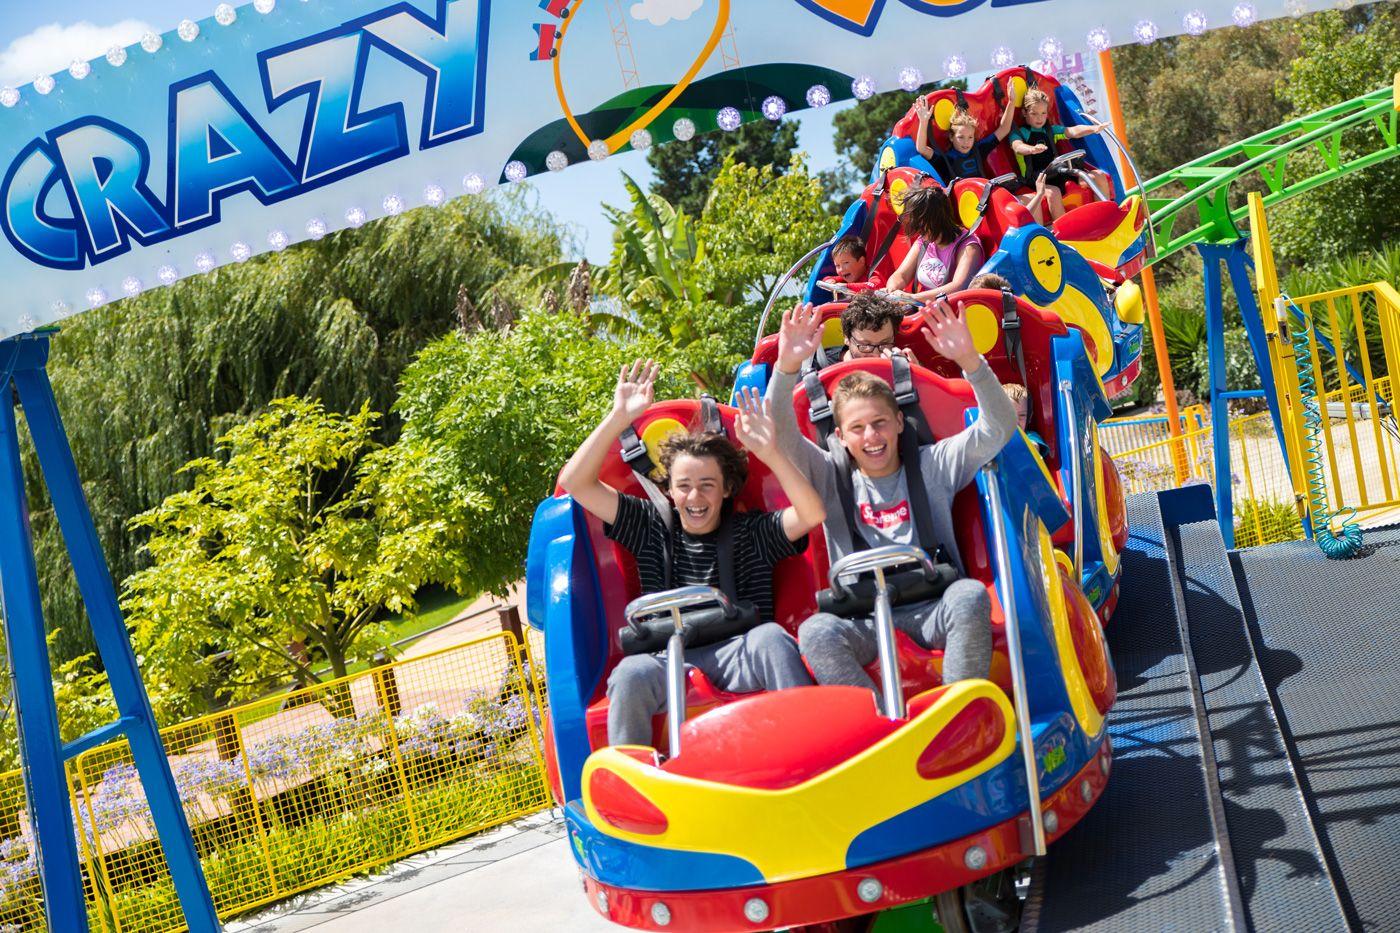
<point x="661" y="12"/>
<point x="53" y="47"/>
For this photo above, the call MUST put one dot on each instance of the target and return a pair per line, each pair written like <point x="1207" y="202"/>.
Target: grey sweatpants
<point x="959" y="622"/>
<point x="763" y="658"/>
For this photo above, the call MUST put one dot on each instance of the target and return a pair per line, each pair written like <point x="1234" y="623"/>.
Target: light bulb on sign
<point x="641" y="140"/>
<point x="955" y="66"/>
<point x="61" y="309"/>
<point x="516" y="170"/>
<point x="729" y="118"/>
<point x="152" y="42"/>
<point x="205" y="261"/>
<point x="8" y="97"/>
<point x="79" y="69"/>
<point x="168" y="275"/>
<point x="910" y="78"/>
<point x="278" y="240"/>
<point x="1051" y="49"/>
<point x="774" y="107"/>
<point x="683" y="129"/>
<point x="472" y="183"/>
<point x="188" y="30"/>
<point x="818" y="95"/>
<point x="1145" y="32"/>
<point x="598" y="150"/>
<point x="132" y="286"/>
<point x="96" y="297"/>
<point x="1098" y="39"/>
<point x="1244" y="14"/>
<point x="434" y="196"/>
<point x="863" y="87"/>
<point x="264" y="6"/>
<point x="116" y="56"/>
<point x="240" y="251"/>
<point x="1194" y="22"/>
<point x="556" y="161"/>
<point x="315" y="228"/>
<point x="1003" y="57"/>
<point x="43" y="83"/>
<point x="225" y="14"/>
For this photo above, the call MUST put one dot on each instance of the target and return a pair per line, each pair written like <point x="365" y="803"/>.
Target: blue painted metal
<point x="43" y="751"/>
<point x="1234" y="256"/>
<point x="99" y="736"/>
<point x="46" y="787"/>
<point x="563" y="598"/>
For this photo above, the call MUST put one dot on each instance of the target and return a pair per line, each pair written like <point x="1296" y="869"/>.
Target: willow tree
<point x="149" y="383"/>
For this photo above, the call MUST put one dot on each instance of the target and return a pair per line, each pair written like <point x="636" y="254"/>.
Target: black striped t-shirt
<point x="759" y="544"/>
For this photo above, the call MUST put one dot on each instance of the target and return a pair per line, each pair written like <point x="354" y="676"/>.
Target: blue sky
<point x="43" y="37"/>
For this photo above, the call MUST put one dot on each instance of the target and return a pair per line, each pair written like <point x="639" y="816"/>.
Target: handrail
<point x="1017" y="660"/>
<point x="1076" y="464"/>
<point x="782" y="283"/>
<point x="879" y="560"/>
<point x="1138" y="189"/>
<point x="673" y="601"/>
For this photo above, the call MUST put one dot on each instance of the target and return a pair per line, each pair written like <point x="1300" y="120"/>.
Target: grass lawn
<point x="435" y="607"/>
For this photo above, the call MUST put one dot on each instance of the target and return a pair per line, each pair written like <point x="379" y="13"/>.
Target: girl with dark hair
<point x="944" y="257"/>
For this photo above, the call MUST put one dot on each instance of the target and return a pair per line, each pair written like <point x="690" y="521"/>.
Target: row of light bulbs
<point x="910" y="78"/>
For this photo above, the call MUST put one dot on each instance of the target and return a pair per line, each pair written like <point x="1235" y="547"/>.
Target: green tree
<point x="1343" y="55"/>
<point x="148" y="384"/>
<point x="292" y="535"/>
<point x="701" y="285"/>
<point x="1189" y="95"/>
<point x="488" y="421"/>
<point x="686" y="170"/>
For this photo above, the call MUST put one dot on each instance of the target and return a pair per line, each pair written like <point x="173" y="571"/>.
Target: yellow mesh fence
<point x="1265" y="512"/>
<point x="301" y="789"/>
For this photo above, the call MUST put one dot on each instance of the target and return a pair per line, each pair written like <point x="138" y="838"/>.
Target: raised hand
<point x="921" y="108"/>
<point x="799" y="336"/>
<point x="754" y="426"/>
<point x="635" y="388"/>
<point x="947" y="333"/>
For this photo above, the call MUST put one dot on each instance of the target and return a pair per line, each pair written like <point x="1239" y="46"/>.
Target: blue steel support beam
<point x="1219" y="410"/>
<point x="109" y="631"/>
<point x="1238" y="262"/>
<point x="46" y="787"/>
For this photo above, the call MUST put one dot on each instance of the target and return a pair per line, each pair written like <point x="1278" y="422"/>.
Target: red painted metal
<point x="831" y="897"/>
<point x="971" y="735"/>
<point x="622" y="805"/>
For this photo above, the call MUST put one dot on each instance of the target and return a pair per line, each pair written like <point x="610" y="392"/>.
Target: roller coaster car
<point x="814" y="804"/>
<point x="1110" y="232"/>
<point x="996" y="331"/>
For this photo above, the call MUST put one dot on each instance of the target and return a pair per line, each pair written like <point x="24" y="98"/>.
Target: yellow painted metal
<point x="303" y="789"/>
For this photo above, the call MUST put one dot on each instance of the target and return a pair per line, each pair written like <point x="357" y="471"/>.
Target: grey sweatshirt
<point x="883" y="504"/>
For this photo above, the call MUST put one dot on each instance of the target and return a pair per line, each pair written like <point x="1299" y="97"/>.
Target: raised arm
<point x="634" y="393"/>
<point x="958" y="458"/>
<point x="1079" y="131"/>
<point x="754" y="428"/>
<point x="1008" y="113"/>
<point x="923" y="111"/>
<point x="799" y="336"/>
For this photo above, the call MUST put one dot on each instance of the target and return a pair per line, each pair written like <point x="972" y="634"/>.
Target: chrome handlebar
<point x="880" y="558"/>
<point x="673" y="601"/>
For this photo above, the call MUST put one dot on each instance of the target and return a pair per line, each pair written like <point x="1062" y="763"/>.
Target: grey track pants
<point x="763" y="658"/>
<point x="959" y="622"/>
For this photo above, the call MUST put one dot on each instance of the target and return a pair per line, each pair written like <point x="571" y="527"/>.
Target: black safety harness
<point x="1011" y="330"/>
<point x="906" y="586"/>
<point x="701" y="626"/>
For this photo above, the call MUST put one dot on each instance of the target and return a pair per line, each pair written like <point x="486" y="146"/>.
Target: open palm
<point x="799" y="336"/>
<point x="947" y="333"/>
<point x="635" y="388"/>
<point x="754" y="426"/>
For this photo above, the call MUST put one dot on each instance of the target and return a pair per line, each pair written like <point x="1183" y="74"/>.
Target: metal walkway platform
<point x="1257" y="738"/>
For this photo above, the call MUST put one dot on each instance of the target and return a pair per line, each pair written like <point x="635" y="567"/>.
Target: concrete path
<point x="516" y="879"/>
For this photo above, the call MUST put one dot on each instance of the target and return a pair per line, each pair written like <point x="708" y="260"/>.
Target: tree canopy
<point x="686" y="170"/>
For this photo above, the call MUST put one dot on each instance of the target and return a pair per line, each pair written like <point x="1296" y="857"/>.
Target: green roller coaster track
<point x="1369" y="123"/>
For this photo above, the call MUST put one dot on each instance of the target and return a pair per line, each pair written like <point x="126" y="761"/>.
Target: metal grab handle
<point x="992" y="185"/>
<point x="1002" y="554"/>
<point x="673" y="601"/>
<point x="878" y="560"/>
<point x="782" y="283"/>
<point x="845" y="290"/>
<point x="1065" y="158"/>
<point x="1087" y="181"/>
<point x="1139" y="189"/>
<point x="1076" y="462"/>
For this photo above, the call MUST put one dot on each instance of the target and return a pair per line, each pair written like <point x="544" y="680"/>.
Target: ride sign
<point x="274" y="122"/>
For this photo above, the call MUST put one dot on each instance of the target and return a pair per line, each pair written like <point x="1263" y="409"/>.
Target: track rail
<point x="1369" y="124"/>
